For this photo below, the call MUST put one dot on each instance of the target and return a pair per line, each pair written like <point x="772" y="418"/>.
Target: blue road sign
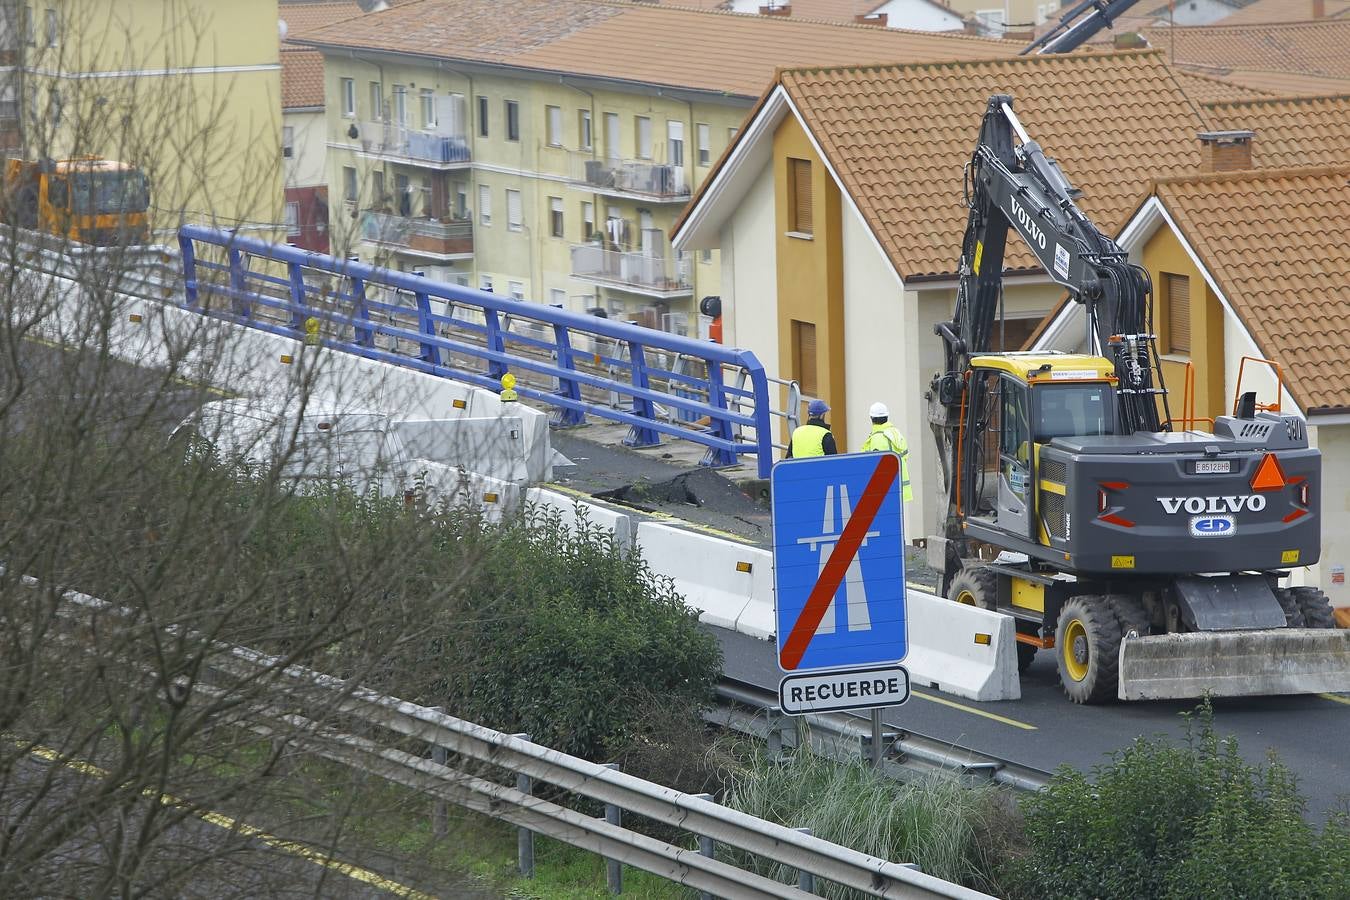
<point x="839" y="561"/>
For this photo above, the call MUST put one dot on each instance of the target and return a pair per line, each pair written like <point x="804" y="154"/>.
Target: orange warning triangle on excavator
<point x="1269" y="476"/>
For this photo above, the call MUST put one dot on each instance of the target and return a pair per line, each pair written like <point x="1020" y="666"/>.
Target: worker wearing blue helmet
<point x="814" y="438"/>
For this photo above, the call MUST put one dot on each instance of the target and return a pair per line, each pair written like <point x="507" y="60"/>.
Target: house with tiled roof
<point x="1251" y="265"/>
<point x="1310" y="57"/>
<point x="839" y="213"/>
<point x="542" y="148"/>
<point x="1289" y="131"/>
<point x="914" y="15"/>
<point x="304" y="151"/>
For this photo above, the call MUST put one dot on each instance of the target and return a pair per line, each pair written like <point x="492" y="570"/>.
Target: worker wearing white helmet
<point x="885" y="437"/>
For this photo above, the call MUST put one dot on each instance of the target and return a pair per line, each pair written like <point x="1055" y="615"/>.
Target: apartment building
<point x="543" y="148"/>
<point x="188" y="91"/>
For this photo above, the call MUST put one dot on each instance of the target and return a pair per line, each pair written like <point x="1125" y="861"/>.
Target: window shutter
<point x="1178" y="291"/>
<point x="804" y="353"/>
<point x="801" y="197"/>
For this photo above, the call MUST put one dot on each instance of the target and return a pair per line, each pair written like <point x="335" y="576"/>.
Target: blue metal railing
<point x="471" y="336"/>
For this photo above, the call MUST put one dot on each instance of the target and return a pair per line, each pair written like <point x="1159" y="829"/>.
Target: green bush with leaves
<point x="1189" y="821"/>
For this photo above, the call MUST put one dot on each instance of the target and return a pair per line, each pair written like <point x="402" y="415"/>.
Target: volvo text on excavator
<point x="1153" y="559"/>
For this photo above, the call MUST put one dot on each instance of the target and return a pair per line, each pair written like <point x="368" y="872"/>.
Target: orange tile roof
<point x="1208" y="88"/>
<point x="694" y="49"/>
<point x="899" y="137"/>
<point x="1290" y="131"/>
<point x="1320" y="48"/>
<point x="1269" y="11"/>
<point x="1285" y="84"/>
<point x="301" y="78"/>
<point x="304" y="17"/>
<point x="1275" y="242"/>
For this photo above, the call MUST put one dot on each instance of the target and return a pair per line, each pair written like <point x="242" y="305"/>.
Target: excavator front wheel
<point x="975" y="586"/>
<point x="1087" y="647"/>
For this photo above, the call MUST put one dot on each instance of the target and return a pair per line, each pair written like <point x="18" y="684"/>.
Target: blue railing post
<point x="495" y="343"/>
<point x="759" y="387"/>
<point x="299" y="311"/>
<point x="427" y="326"/>
<point x="640" y="436"/>
<point x="567" y="387"/>
<point x="238" y="284"/>
<point x="187" y="251"/>
<point x="721" y="426"/>
<point x="361" y="335"/>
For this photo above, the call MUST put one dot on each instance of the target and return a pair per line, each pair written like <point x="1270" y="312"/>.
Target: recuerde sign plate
<point x="825" y="691"/>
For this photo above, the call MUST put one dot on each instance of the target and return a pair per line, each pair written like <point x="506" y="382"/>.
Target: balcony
<point x="443" y="151"/>
<point x="431" y="239"/>
<point x="636" y="272"/>
<point x="630" y="178"/>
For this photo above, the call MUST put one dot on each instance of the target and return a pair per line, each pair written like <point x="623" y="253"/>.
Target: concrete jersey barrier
<point x="731" y="584"/>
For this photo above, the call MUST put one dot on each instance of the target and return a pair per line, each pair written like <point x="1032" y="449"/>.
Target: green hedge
<point x="1190" y="821"/>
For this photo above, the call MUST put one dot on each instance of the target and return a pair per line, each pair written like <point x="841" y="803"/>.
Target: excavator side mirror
<point x="1246" y="407"/>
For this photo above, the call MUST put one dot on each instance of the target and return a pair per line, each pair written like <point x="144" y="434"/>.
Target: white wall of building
<point x="919" y="15"/>
<point x="307" y="165"/>
<point x="750" y="275"/>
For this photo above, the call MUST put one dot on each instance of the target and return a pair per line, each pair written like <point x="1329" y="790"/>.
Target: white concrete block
<point x="943" y="652"/>
<point x="705" y="569"/>
<point x="570" y="506"/>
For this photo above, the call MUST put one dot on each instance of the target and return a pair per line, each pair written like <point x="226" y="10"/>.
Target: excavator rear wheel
<point x="975" y="586"/>
<point x="1314" y="606"/>
<point x="1087" y="649"/>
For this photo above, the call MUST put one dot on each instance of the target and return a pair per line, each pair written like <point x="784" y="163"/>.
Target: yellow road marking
<point x="1335" y="698"/>
<point x="973" y="711"/>
<point x="317" y="857"/>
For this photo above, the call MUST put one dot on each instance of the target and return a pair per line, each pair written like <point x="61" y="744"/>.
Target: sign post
<point x="839" y="584"/>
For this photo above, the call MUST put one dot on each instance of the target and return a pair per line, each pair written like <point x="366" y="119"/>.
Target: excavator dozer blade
<point x="1235" y="663"/>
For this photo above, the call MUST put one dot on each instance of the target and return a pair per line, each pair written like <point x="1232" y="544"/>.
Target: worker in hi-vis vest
<point x="885" y="436"/>
<point x="814" y="438"/>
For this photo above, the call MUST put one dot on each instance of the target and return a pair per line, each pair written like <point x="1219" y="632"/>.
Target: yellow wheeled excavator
<point x="1153" y="562"/>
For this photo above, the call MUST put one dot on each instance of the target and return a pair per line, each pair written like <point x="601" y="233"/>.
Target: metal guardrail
<point x="564" y="359"/>
<point x="294" y="692"/>
<point x="841" y="736"/>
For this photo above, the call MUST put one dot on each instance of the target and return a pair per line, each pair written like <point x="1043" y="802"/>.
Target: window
<point x="705" y="256"/>
<point x="482" y="117"/>
<point x="584" y="139"/>
<point x="555" y="216"/>
<point x="485" y="283"/>
<point x="512" y="120"/>
<point x="557" y="297"/>
<point x="612" y="140"/>
<point x="428" y="100"/>
<point x="513" y="210"/>
<point x="400" y="104"/>
<point x="804" y="357"/>
<point x="644" y="137"/>
<point x="376" y="101"/>
<point x="377" y="186"/>
<point x="990" y="20"/>
<point x="554" y="131"/>
<point x="704" y="145"/>
<point x="461" y="200"/>
<point x="1177" y="296"/>
<point x="26" y="12"/>
<point x="349" y="184"/>
<point x="675" y="143"/>
<point x="1040" y="13"/>
<point x="53" y="32"/>
<point x="292" y="218"/>
<point x="54" y="105"/>
<point x="799" y="197"/>
<point x="587" y="220"/>
<point x="348" y="89"/>
<point x="485" y="207"/>
<point x="516" y="290"/>
<point x="287" y="141"/>
<point x="731" y="135"/>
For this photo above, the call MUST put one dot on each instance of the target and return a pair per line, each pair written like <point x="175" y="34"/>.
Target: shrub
<point x="948" y="830"/>
<point x="1186" y="821"/>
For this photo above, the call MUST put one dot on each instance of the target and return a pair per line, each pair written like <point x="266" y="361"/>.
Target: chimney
<point x="776" y="9"/>
<point x="1130" y="40"/>
<point x="1225" y="151"/>
<point x="878" y="19"/>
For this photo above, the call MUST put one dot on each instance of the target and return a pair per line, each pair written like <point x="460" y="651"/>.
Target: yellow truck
<point x="87" y="199"/>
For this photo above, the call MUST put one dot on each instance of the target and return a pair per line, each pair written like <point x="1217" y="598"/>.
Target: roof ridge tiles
<point x="1278" y="98"/>
<point x="1253" y="26"/>
<point x="1253" y="175"/>
<point x="1045" y="58"/>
